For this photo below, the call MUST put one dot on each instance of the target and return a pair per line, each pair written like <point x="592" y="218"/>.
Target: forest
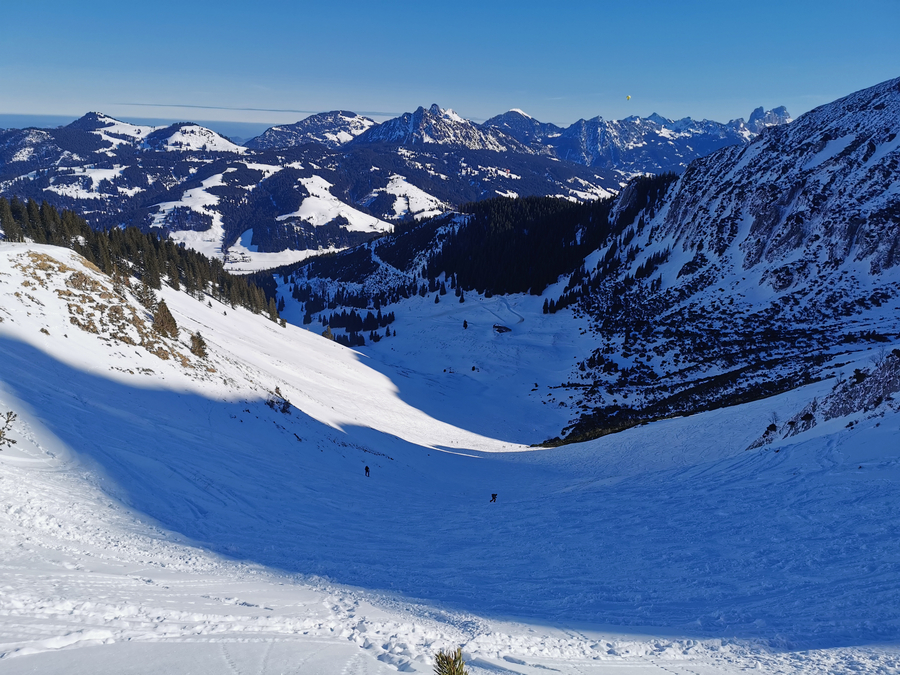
<point x="128" y="252"/>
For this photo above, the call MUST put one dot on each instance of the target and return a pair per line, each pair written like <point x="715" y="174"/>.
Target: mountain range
<point x="335" y="179"/>
<point x="758" y="269"/>
<point x="198" y="482"/>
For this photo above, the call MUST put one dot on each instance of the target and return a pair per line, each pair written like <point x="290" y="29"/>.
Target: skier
<point x="493" y="496"/>
<point x="367" y="472"/>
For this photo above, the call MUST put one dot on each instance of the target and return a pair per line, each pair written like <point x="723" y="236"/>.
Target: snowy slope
<point x="635" y="145"/>
<point x="439" y="126"/>
<point x="191" y="137"/>
<point x="156" y="510"/>
<point x="322" y="207"/>
<point x="331" y="129"/>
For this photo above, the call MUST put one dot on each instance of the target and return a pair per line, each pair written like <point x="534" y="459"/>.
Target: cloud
<point x="274" y="110"/>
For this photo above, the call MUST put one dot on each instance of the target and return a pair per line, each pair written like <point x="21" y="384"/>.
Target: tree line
<point x="125" y="252"/>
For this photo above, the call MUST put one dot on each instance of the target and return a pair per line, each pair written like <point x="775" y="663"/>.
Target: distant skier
<point x="367" y="472"/>
<point x="493" y="496"/>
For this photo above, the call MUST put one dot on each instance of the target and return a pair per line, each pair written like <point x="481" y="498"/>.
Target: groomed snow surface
<point x="156" y="516"/>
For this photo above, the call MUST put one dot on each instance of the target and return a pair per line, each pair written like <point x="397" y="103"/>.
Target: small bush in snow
<point x="8" y="418"/>
<point x="450" y="663"/>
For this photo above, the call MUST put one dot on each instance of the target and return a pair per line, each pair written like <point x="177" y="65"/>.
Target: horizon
<point x="246" y="130"/>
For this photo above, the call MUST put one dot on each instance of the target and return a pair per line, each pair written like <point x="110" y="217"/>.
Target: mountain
<point x="191" y="509"/>
<point x="634" y="145"/>
<point x="331" y="129"/>
<point x="335" y="179"/>
<point x="763" y="267"/>
<point x="760" y="119"/>
<point x="187" y="137"/>
<point x="436" y="126"/>
<point x="524" y="128"/>
<point x="716" y="355"/>
<point x="259" y="208"/>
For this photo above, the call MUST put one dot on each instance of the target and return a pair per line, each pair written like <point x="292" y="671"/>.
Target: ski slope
<point x="156" y="515"/>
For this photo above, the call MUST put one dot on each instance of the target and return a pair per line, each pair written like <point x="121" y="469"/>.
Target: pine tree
<point x="151" y="273"/>
<point x="172" y="273"/>
<point x="164" y="322"/>
<point x="146" y="296"/>
<point x="11" y="229"/>
<point x="198" y="345"/>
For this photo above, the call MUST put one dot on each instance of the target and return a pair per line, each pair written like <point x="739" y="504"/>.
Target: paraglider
<point x="628" y="98"/>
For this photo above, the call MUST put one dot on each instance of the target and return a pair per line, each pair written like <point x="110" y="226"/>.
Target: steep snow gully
<point x="158" y="516"/>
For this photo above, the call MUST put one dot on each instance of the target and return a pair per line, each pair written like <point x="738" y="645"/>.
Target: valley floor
<point x="176" y="523"/>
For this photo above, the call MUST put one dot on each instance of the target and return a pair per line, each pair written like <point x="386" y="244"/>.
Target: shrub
<point x="8" y="418"/>
<point x="450" y="663"/>
<point x="198" y="345"/>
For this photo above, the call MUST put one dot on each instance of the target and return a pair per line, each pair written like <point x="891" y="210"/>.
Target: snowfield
<point x="157" y="515"/>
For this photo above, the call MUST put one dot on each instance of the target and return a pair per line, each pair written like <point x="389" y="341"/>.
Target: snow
<point x="832" y="148"/>
<point x="321" y="207"/>
<point x="413" y="201"/>
<point x="161" y="513"/>
<point x="244" y="257"/>
<point x="208" y="242"/>
<point x="94" y="176"/>
<point x="451" y="115"/>
<point x="195" y="137"/>
<point x="115" y="130"/>
<point x="268" y="170"/>
<point x="521" y="112"/>
<point x="23" y="155"/>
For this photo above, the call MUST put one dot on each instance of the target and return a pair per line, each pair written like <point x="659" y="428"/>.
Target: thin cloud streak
<point x="276" y="110"/>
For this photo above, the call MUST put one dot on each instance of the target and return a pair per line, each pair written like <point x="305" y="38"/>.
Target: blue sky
<point x="274" y="62"/>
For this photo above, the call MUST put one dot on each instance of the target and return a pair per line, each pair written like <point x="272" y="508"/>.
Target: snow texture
<point x="157" y="511"/>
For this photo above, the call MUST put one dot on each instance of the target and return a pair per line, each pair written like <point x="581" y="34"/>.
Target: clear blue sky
<point x="557" y="61"/>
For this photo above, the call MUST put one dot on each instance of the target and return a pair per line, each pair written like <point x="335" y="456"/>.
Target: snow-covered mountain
<point x="186" y="137"/>
<point x="760" y="119"/>
<point x="757" y="270"/>
<point x="211" y="512"/>
<point x="635" y="145"/>
<point x="234" y="202"/>
<point x="331" y="129"/>
<point x="437" y="126"/>
<point x="231" y="201"/>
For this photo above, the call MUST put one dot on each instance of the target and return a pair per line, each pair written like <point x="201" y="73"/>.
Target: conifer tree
<point x="163" y="321"/>
<point x="146" y="296"/>
<point x="198" y="345"/>
<point x="11" y="229"/>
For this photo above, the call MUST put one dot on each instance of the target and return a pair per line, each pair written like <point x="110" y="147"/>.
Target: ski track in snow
<point x="174" y="522"/>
